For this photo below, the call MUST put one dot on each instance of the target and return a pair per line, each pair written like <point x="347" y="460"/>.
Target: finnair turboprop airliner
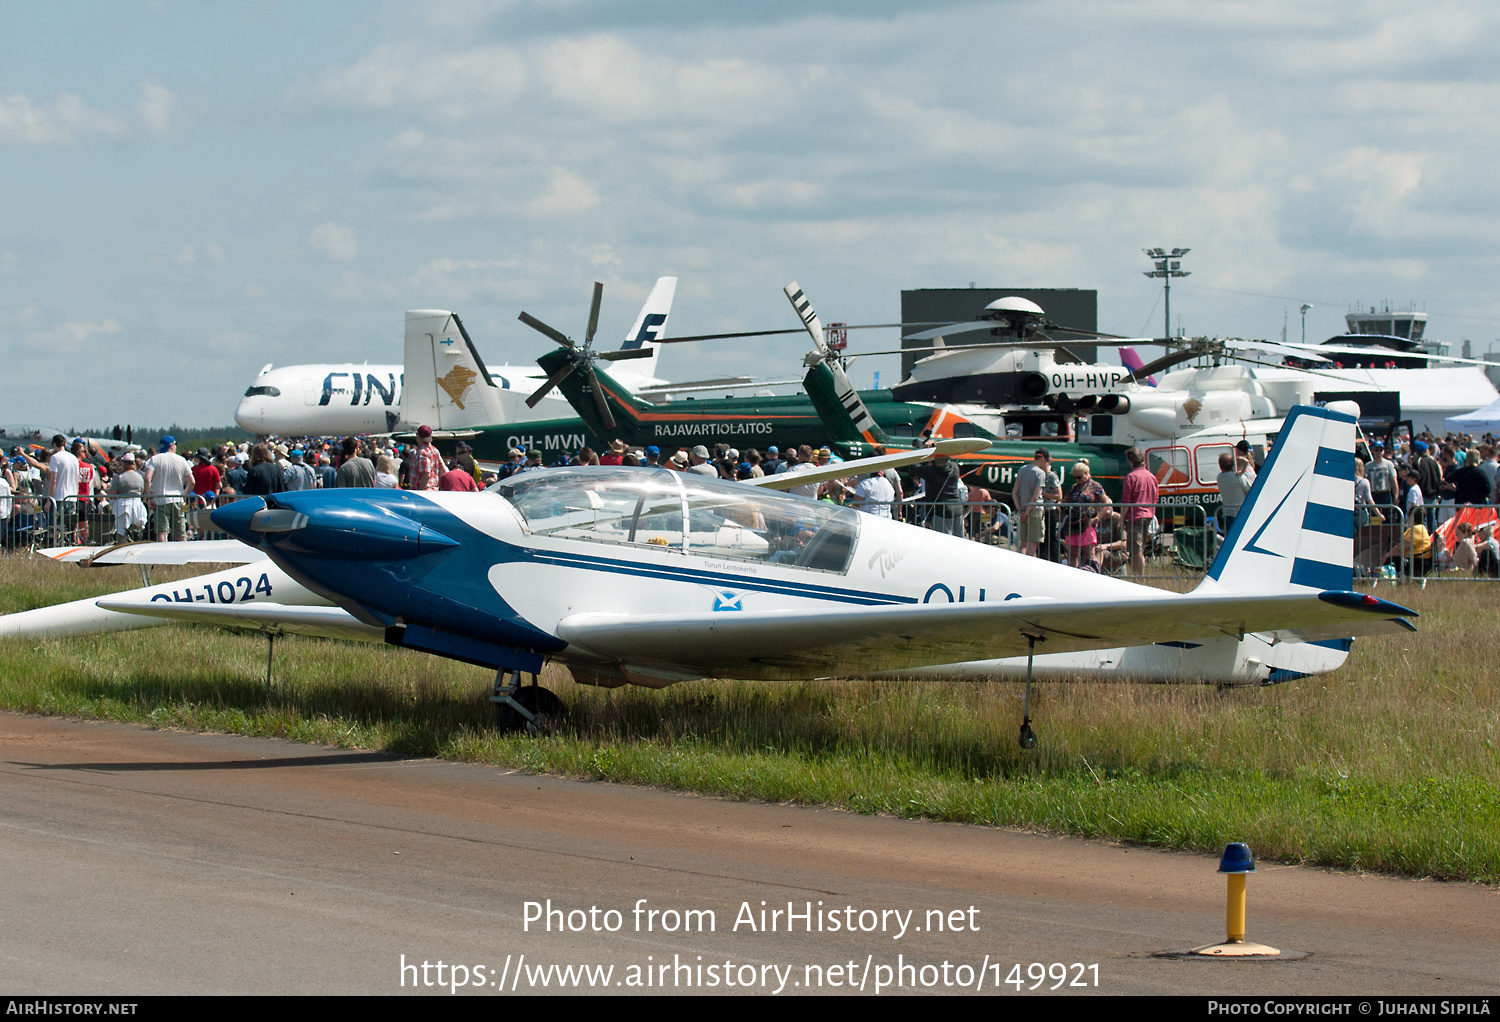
<point x="352" y="399"/>
<point x="649" y="577"/>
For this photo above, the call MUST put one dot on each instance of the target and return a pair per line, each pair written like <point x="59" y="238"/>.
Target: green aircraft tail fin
<point x="576" y="387"/>
<point x="840" y="408"/>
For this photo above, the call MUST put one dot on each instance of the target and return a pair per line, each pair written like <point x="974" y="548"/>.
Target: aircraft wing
<point x="857" y="642"/>
<point x="208" y="551"/>
<point x="272" y="618"/>
<point x="864" y="466"/>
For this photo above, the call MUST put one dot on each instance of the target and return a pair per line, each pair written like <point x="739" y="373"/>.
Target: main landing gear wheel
<point x="543" y="705"/>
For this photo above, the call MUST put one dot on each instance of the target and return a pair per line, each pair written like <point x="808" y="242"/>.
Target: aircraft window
<point x="602" y="505"/>
<point x="734" y="521"/>
<point x="903" y="429"/>
<point x="963" y="430"/>
<point x="1207" y="457"/>
<point x="265" y="391"/>
<point x="644" y="507"/>
<point x="1169" y="465"/>
<point x="1101" y="426"/>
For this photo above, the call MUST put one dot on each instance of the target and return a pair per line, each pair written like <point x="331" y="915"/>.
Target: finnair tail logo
<point x="650" y="329"/>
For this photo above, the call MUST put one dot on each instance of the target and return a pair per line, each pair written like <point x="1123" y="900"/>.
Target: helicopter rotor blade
<point x="552" y="381"/>
<point x="599" y="401"/>
<point x="615" y="356"/>
<point x="588" y="338"/>
<point x="538" y="325"/>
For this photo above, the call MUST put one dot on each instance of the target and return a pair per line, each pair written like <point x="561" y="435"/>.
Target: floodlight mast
<point x="1168" y="265"/>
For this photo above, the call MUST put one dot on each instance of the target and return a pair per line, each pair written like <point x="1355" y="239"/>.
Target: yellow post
<point x="1234" y="912"/>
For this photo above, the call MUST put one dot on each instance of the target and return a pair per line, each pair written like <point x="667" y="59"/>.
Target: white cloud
<point x="334" y="241"/>
<point x="187" y="255"/>
<point x="73" y="337"/>
<point x="567" y="194"/>
<point x="213" y="251"/>
<point x="62" y="120"/>
<point x="155" y="108"/>
<point x="66" y="119"/>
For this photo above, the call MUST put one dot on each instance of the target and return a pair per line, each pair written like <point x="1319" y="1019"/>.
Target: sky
<point x="196" y="190"/>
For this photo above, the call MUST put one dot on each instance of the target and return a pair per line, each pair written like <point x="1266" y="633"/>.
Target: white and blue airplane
<point x="651" y="577"/>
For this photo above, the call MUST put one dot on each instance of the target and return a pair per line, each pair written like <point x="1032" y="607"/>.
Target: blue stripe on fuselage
<point x="788" y="587"/>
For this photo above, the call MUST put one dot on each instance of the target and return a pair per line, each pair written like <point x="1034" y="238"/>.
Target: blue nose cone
<point x="235" y="519"/>
<point x="1237" y="859"/>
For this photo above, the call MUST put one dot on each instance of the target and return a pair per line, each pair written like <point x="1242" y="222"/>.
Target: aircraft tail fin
<point x="447" y="385"/>
<point x="838" y="404"/>
<point x="1131" y="359"/>
<point x="651" y="324"/>
<point x="626" y="408"/>
<point x="1295" y="530"/>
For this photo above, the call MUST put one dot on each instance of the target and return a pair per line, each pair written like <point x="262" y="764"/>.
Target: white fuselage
<point x="347" y="399"/>
<point x="891" y="563"/>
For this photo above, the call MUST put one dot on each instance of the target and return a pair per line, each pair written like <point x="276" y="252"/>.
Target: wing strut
<point x="1028" y="736"/>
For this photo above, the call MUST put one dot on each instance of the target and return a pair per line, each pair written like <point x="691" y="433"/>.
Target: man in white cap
<point x="125" y="491"/>
<point x="698" y="462"/>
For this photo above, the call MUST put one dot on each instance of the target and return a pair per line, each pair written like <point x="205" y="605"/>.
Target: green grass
<point x="1389" y="764"/>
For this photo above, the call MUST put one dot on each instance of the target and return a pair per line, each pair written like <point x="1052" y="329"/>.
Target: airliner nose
<point x="249" y="413"/>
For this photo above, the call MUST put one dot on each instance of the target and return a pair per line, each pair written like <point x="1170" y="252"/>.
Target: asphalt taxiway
<point x="142" y="861"/>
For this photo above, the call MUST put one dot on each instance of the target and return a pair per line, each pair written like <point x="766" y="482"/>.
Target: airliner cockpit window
<point x="263" y="391"/>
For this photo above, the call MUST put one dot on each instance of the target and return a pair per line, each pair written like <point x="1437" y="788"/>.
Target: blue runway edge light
<point x="1237" y="859"/>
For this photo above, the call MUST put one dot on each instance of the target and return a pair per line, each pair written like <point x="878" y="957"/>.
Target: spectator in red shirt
<point x="206" y="480"/>
<point x="427" y="466"/>
<point x="1139" y="490"/>
<point x="457" y="479"/>
<point x="617" y="449"/>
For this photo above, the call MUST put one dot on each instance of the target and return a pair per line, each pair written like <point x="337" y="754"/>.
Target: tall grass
<point x="1388" y="764"/>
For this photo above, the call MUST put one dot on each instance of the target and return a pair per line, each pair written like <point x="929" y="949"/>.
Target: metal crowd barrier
<point x="28" y="523"/>
<point x="1440" y="522"/>
<point x="1179" y="541"/>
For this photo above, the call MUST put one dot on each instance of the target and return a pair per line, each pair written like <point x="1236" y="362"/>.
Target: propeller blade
<point x="599" y="401"/>
<point x="588" y="338"/>
<point x="552" y="381"/>
<point x="536" y="324"/>
<point x="615" y="356"/>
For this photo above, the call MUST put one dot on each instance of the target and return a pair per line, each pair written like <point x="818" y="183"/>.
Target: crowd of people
<point x="139" y="493"/>
<point x="1418" y="488"/>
